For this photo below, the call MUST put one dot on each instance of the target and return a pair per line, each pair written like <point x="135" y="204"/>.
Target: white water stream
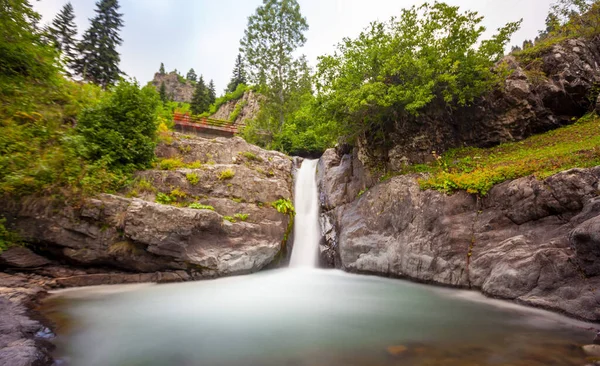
<point x="306" y="225"/>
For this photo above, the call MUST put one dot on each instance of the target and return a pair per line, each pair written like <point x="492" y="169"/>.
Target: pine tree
<point x="191" y="75"/>
<point x="162" y="69"/>
<point x="212" y="94"/>
<point x="199" y="102"/>
<point x="63" y="31"/>
<point x="239" y="75"/>
<point x="163" y="92"/>
<point x="99" y="62"/>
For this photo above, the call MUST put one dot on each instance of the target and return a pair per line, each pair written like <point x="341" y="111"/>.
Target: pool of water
<point x="305" y="317"/>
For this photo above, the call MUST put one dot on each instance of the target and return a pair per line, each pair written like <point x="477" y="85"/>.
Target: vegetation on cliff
<point x="477" y="170"/>
<point x="40" y="151"/>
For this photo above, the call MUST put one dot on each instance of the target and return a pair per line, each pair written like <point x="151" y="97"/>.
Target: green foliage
<point x="239" y="75"/>
<point x="8" y="238"/>
<point x="163" y="92"/>
<point x="192" y="178"/>
<point x="237" y="110"/>
<point x="241" y="216"/>
<point x="251" y="156"/>
<point x="23" y="53"/>
<point x="201" y="98"/>
<point x="478" y="170"/>
<point x="164" y="199"/>
<point x="199" y="206"/>
<point x="178" y="194"/>
<point x="226" y="174"/>
<point x="273" y="34"/>
<point x="393" y="70"/>
<point x="169" y="164"/>
<point x="191" y="75"/>
<point x="229" y="218"/>
<point x="161" y="70"/>
<point x="284" y="206"/>
<point x="235" y="95"/>
<point x="99" y="59"/>
<point x="121" y="129"/>
<point x="63" y="32"/>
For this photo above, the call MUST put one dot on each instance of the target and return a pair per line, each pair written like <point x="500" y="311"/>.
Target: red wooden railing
<point x="207" y="124"/>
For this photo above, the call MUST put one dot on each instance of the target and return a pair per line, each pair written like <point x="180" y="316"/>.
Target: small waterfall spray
<point x="306" y="224"/>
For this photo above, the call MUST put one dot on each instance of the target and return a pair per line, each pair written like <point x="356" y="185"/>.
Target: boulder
<point x="21" y="257"/>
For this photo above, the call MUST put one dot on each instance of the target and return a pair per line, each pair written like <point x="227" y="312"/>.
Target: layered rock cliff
<point x="535" y="242"/>
<point x="131" y="238"/>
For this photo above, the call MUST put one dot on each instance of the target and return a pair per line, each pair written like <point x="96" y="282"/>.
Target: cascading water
<point x="306" y="224"/>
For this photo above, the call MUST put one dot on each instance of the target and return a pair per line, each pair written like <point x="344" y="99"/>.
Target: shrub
<point x="164" y="199"/>
<point x="284" y="206"/>
<point x="178" y="194"/>
<point x="170" y="164"/>
<point x="194" y="165"/>
<point x="121" y="129"/>
<point x="192" y="178"/>
<point x="241" y="216"/>
<point x="199" y="206"/>
<point x="226" y="174"/>
<point x="144" y="185"/>
<point x="237" y="110"/>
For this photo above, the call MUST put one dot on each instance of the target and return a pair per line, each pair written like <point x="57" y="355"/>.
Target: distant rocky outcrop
<point x="541" y="94"/>
<point x="240" y="110"/>
<point x="122" y="239"/>
<point x="532" y="241"/>
<point x="178" y="89"/>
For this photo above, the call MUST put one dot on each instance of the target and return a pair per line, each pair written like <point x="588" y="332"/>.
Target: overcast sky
<point x="205" y="34"/>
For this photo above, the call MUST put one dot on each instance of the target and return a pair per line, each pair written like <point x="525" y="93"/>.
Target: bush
<point x="164" y="199"/>
<point x="226" y="174"/>
<point x="192" y="178"/>
<point x="121" y="130"/>
<point x="284" y="206"/>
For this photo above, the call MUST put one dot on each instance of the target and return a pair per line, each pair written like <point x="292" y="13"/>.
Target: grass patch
<point x="226" y="174"/>
<point x="169" y="164"/>
<point x="478" y="170"/>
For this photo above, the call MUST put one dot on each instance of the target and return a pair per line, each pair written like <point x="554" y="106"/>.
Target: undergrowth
<point x="477" y="170"/>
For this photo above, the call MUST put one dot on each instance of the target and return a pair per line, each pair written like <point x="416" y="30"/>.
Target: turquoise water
<point x="306" y="317"/>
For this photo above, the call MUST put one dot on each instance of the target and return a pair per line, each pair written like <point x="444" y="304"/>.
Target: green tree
<point x="212" y="94"/>
<point x="163" y="93"/>
<point x="239" y="75"/>
<point x="393" y="70"/>
<point x="200" y="102"/>
<point x="22" y="50"/>
<point x="191" y="75"/>
<point x="576" y="18"/>
<point x="121" y="129"/>
<point x="162" y="69"/>
<point x="99" y="62"/>
<point x="273" y="33"/>
<point x="63" y="31"/>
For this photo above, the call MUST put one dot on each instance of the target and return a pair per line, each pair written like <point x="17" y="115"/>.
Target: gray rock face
<point x="176" y="90"/>
<point x="535" y="242"/>
<point x="111" y="235"/>
<point x="248" y="104"/>
<point x="532" y="101"/>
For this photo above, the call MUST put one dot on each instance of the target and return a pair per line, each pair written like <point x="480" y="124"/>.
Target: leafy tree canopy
<point x="191" y="75"/>
<point x="395" y="69"/>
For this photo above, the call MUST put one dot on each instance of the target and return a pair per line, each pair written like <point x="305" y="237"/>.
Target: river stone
<point x="592" y="350"/>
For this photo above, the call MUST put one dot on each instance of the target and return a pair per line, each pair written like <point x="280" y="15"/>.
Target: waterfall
<point x="306" y="225"/>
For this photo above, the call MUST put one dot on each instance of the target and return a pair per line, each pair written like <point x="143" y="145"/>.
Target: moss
<point x="226" y="174"/>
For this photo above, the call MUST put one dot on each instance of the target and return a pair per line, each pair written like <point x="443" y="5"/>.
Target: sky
<point x="205" y="34"/>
